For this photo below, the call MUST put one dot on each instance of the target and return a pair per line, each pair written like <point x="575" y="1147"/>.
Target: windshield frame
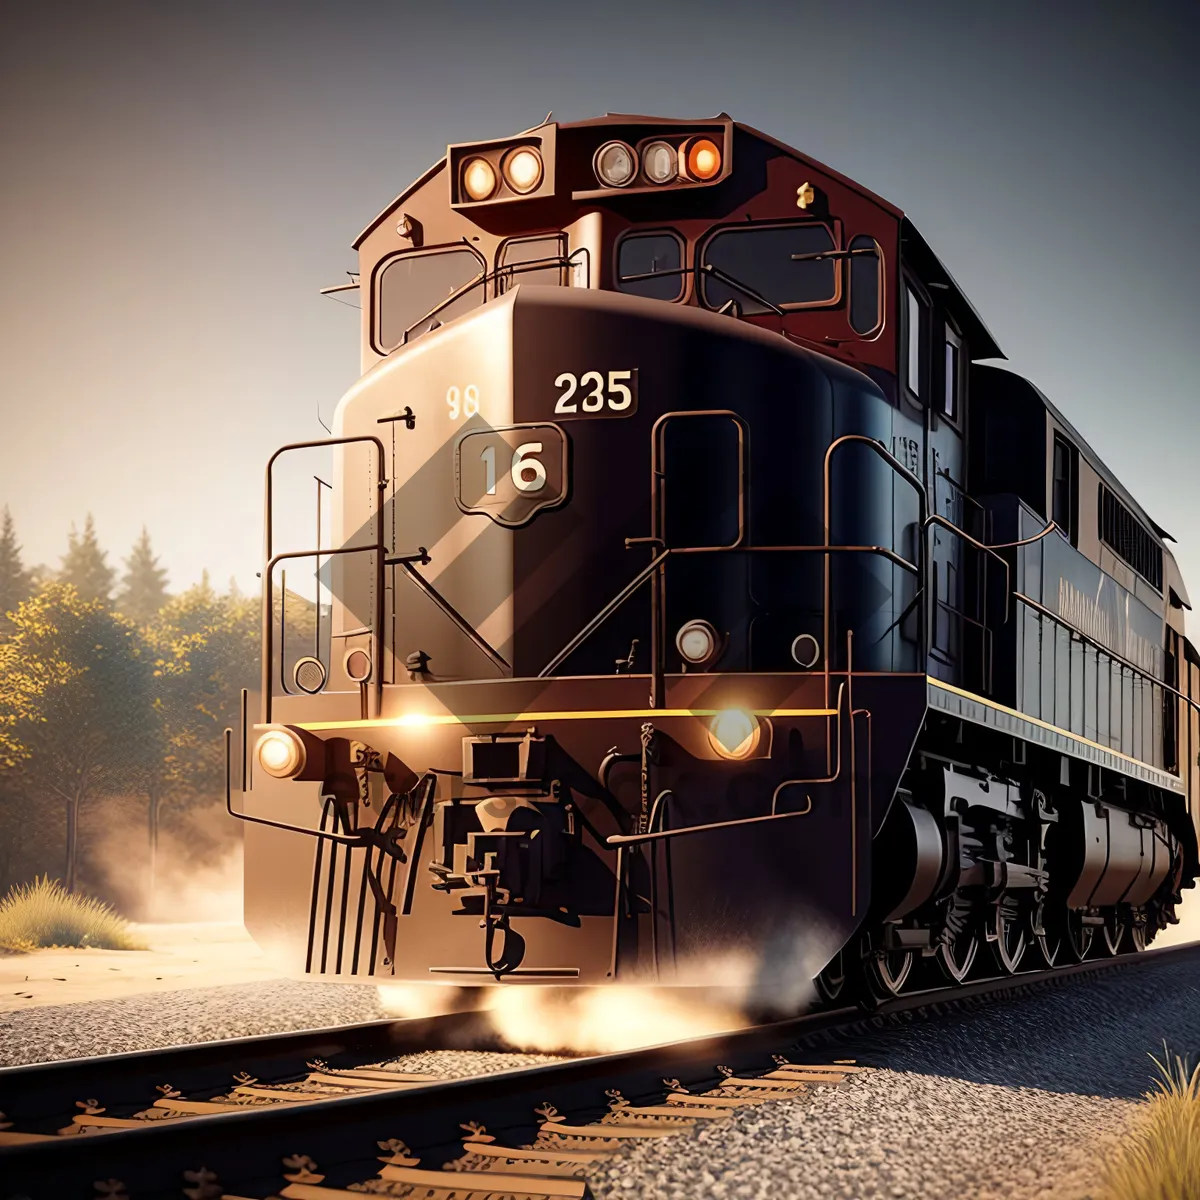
<point x="832" y="226"/>
<point x="377" y="344"/>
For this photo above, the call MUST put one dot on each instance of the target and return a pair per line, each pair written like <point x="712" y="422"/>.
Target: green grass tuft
<point x="1161" y="1158"/>
<point x="44" y="913"/>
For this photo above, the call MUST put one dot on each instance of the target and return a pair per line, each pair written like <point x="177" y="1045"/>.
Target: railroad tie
<point x="555" y="1165"/>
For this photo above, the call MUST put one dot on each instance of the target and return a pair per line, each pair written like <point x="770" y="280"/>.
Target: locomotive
<point x="700" y="596"/>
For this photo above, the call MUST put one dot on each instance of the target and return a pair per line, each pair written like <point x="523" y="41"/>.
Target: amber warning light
<point x="700" y="159"/>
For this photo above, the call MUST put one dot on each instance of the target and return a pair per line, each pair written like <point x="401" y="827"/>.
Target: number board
<point x="596" y="394"/>
<point x="510" y="474"/>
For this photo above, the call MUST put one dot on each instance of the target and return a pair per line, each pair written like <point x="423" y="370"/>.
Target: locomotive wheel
<point x="1010" y="940"/>
<point x="958" y="957"/>
<point x="1138" y="939"/>
<point x="886" y="971"/>
<point x="1077" y="937"/>
<point x="1050" y="940"/>
<point x="831" y="982"/>
<point x="1114" y="935"/>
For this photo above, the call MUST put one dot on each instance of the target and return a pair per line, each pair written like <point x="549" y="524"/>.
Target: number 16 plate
<point x="512" y="473"/>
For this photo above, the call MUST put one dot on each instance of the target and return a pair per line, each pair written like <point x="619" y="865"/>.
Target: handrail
<point x="658" y="518"/>
<point x="268" y="537"/>
<point x="662" y="555"/>
<point x="875" y="445"/>
<point x="603" y="615"/>
<point x="480" y="643"/>
<point x="269" y="605"/>
<point x="1116" y="657"/>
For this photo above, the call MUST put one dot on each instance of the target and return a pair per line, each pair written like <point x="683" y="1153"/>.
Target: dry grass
<point x="44" y="913"/>
<point x="1161" y="1158"/>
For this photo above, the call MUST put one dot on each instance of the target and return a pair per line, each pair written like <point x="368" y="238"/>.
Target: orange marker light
<point x="702" y="160"/>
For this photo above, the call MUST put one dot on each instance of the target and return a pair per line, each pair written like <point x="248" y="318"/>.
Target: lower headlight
<point x="734" y="733"/>
<point x="280" y="753"/>
<point x="697" y="642"/>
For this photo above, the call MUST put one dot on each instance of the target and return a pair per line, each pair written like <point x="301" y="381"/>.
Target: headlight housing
<point x="280" y="753"/>
<point x="660" y="162"/>
<point x="479" y="178"/>
<point x="697" y="643"/>
<point x="522" y="170"/>
<point x="734" y="733"/>
<point x="615" y="164"/>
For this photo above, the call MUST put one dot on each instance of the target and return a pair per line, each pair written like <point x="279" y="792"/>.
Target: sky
<point x="177" y="181"/>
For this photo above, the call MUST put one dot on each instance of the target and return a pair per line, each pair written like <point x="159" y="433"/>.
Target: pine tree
<point x="144" y="588"/>
<point x="16" y="583"/>
<point x="85" y="565"/>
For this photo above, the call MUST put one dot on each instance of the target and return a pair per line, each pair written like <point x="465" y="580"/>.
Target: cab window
<point x="952" y="376"/>
<point x="413" y="289"/>
<point x="866" y="267"/>
<point x="916" y="334"/>
<point x="532" y="260"/>
<point x="760" y="267"/>
<point x="1064" y="502"/>
<point x="651" y="265"/>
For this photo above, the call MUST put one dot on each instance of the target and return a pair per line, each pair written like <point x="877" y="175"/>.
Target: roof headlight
<point x="615" y="164"/>
<point x="280" y="753"/>
<point x="734" y="733"/>
<point x="660" y="162"/>
<point x="479" y="178"/>
<point x="523" y="170"/>
<point x="700" y="159"/>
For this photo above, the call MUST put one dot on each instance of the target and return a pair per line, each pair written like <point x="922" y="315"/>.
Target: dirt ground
<point x="180" y="956"/>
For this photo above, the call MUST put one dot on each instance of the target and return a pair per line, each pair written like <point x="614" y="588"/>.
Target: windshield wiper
<point x="437" y="308"/>
<point x="534" y="264"/>
<point x="745" y="289"/>
<point x="716" y="273"/>
<point x="823" y="254"/>
<point x="653" y="275"/>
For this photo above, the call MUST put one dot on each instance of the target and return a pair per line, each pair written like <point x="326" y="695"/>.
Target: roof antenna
<point x="322" y="423"/>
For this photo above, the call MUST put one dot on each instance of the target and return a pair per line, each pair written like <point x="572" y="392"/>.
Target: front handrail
<point x="628" y="590"/>
<point x="271" y="559"/>
<point x="658" y="521"/>
<point x="269" y="623"/>
<point x="877" y="447"/>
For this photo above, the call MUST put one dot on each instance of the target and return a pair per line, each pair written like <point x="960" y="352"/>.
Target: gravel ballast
<point x="179" y="1017"/>
<point x="1021" y="1099"/>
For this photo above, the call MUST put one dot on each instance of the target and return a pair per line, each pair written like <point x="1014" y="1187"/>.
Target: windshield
<point x="412" y="285"/>
<point x="651" y="265"/>
<point x="755" y="268"/>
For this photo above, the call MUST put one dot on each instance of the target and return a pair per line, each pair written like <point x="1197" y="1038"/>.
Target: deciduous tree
<point x="76" y="710"/>
<point x="205" y="649"/>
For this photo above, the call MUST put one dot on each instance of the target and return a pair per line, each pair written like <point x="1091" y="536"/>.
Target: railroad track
<point x="333" y="1128"/>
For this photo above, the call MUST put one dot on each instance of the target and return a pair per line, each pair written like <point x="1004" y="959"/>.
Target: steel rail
<point x="245" y="1149"/>
<point x="41" y="1097"/>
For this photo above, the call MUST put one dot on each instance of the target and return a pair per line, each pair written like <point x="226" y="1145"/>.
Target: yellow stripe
<point x="1012" y="712"/>
<point x="421" y="720"/>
